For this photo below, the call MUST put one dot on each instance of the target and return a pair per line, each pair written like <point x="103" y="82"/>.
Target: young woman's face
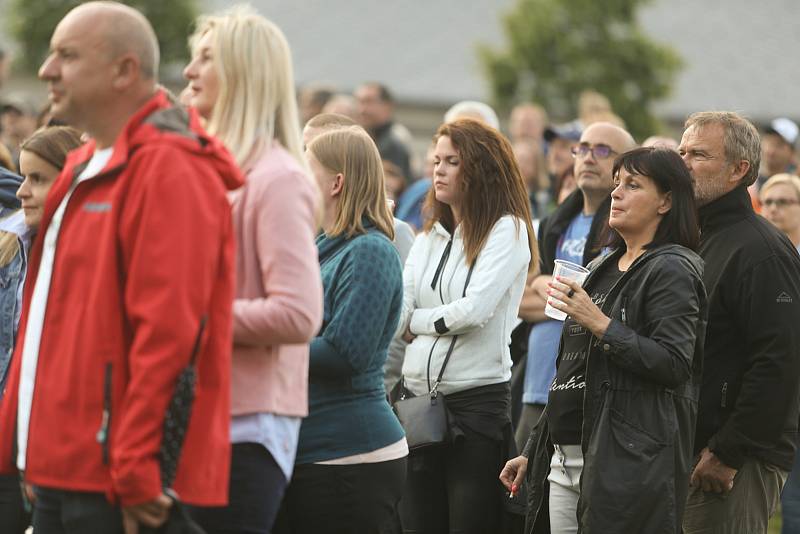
<point x="780" y="205"/>
<point x="447" y="172"/>
<point x="637" y="205"/>
<point x="203" y="78"/>
<point x="39" y="177"/>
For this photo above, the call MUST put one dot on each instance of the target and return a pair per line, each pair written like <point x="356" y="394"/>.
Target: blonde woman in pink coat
<point x="241" y="82"/>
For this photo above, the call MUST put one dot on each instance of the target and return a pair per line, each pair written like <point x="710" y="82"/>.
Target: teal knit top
<point x="363" y="292"/>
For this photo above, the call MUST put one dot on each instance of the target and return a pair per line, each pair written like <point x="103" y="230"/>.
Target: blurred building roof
<point x="739" y="54"/>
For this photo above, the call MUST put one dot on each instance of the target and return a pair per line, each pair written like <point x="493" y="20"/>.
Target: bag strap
<point x="432" y="390"/>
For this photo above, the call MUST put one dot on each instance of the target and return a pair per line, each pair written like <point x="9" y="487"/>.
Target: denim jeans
<point x="454" y="488"/>
<point x="343" y="499"/>
<point x="74" y="512"/>
<point x="790" y="500"/>
<point x="254" y="494"/>
<point x="13" y="517"/>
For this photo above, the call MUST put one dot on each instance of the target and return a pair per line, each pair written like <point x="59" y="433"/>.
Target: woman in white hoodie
<point x="463" y="281"/>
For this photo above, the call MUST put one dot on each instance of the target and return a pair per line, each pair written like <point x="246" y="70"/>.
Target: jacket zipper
<point x="102" y="434"/>
<point x="724" y="399"/>
<point x="437" y="277"/>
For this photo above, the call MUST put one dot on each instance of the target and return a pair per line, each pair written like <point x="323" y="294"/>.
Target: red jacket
<point x="144" y="251"/>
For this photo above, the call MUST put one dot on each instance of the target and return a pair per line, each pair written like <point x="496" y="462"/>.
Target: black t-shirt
<point x="565" y="401"/>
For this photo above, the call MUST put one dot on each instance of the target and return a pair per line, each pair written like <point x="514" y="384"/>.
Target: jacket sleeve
<point x="403" y="239"/>
<point x="409" y="283"/>
<point x="367" y="294"/>
<point x="768" y="312"/>
<point x="673" y="307"/>
<point x="172" y="234"/>
<point x="291" y="309"/>
<point x="503" y="257"/>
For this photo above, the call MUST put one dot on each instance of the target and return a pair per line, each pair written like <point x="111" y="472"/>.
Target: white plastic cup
<point x="570" y="271"/>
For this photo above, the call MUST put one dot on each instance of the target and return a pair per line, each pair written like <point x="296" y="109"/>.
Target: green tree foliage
<point x="558" y="48"/>
<point x="32" y="22"/>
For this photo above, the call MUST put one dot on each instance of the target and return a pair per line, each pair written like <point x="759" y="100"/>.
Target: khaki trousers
<point x="745" y="510"/>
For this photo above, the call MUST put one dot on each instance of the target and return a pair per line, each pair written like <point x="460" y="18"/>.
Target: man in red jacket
<point x="135" y="253"/>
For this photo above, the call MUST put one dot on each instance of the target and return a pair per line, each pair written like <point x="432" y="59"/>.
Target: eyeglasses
<point x="597" y="151"/>
<point x="779" y="202"/>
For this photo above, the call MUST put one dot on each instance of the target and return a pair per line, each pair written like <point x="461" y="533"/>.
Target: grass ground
<point x="775" y="524"/>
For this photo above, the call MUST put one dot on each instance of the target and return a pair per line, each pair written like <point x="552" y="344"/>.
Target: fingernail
<point x="514" y="488"/>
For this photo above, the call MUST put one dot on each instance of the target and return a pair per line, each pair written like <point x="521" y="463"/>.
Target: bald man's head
<point x="123" y="30"/>
<point x="600" y="144"/>
<point x="101" y="68"/>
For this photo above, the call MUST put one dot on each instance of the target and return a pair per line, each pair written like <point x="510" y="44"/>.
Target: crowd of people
<point x="217" y="306"/>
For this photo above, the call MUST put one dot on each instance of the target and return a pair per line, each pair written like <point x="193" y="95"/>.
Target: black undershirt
<point x="565" y="401"/>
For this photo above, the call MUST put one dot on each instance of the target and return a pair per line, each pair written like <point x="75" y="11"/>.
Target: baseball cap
<point x="19" y="103"/>
<point x="786" y="128"/>
<point x="570" y="130"/>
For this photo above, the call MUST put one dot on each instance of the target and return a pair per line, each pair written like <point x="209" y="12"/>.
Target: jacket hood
<point x="690" y="256"/>
<point x="161" y="120"/>
<point x="9" y="183"/>
<point x="440" y="230"/>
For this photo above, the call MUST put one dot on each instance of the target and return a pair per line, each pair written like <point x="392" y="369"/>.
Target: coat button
<point x="606" y="347"/>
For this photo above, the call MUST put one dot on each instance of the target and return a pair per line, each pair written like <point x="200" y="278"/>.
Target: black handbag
<point x="424" y="417"/>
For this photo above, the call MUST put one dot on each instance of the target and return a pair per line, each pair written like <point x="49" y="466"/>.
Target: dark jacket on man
<point x="553" y="227"/>
<point x="749" y="398"/>
<point x="640" y="401"/>
<point x="393" y="149"/>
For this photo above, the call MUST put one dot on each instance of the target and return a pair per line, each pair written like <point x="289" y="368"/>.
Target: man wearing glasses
<point x="574" y="233"/>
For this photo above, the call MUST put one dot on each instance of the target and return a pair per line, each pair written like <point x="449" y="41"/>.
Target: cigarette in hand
<point x="513" y="491"/>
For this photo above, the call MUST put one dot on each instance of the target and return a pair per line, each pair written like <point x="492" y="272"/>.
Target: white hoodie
<point x="483" y="319"/>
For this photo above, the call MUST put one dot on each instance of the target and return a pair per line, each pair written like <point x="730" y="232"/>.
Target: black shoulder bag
<point x="424" y="418"/>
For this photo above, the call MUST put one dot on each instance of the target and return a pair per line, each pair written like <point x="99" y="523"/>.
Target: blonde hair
<point x="6" y="160"/>
<point x="256" y="101"/>
<point x="352" y="152"/>
<point x="9" y="246"/>
<point x="788" y="179"/>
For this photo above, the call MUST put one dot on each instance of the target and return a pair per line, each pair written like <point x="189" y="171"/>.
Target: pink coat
<point x="278" y="304"/>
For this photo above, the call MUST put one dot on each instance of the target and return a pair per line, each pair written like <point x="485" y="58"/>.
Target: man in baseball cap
<point x="777" y="148"/>
<point x="17" y="121"/>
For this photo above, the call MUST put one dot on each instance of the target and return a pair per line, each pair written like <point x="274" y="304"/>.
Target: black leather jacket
<point x="640" y="402"/>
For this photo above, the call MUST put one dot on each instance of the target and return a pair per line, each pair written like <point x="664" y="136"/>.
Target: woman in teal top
<point x="351" y="458"/>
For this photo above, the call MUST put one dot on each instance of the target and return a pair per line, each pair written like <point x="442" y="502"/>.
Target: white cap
<point x="786" y="128"/>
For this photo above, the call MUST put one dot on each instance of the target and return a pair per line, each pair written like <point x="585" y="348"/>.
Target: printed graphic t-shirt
<point x="544" y="336"/>
<point x="565" y="404"/>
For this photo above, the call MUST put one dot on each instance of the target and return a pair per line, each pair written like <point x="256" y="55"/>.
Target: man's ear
<point x="127" y="70"/>
<point x="666" y="204"/>
<point x="740" y="169"/>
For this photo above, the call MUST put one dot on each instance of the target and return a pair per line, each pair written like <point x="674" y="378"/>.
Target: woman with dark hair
<point x="463" y="282"/>
<point x="620" y="420"/>
<point x="41" y="159"/>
